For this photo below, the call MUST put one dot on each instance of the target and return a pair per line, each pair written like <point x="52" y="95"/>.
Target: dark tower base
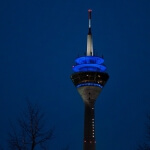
<point x="89" y="127"/>
<point x="89" y="86"/>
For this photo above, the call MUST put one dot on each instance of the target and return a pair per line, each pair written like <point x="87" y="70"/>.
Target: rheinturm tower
<point x="89" y="77"/>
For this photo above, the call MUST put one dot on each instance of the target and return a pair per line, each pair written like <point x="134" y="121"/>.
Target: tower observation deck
<point x="89" y="77"/>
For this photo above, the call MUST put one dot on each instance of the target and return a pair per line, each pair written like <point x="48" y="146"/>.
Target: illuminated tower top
<point x="89" y="62"/>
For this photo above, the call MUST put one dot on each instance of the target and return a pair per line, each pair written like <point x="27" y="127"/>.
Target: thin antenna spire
<point x="89" y="36"/>
<point x="89" y="16"/>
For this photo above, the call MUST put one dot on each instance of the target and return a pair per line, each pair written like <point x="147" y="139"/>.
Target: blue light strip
<point x="89" y="60"/>
<point x="89" y="67"/>
<point x="89" y="63"/>
<point x="89" y="84"/>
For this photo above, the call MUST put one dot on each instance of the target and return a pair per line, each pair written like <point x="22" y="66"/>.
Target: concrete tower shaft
<point x="89" y="93"/>
<point x="89" y="86"/>
<point x="89" y="127"/>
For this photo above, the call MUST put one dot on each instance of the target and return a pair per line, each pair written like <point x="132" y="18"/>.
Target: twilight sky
<point x="39" y="40"/>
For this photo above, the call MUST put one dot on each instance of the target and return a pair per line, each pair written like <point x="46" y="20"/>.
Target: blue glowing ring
<point x="89" y="60"/>
<point x="89" y="67"/>
<point x="89" y="84"/>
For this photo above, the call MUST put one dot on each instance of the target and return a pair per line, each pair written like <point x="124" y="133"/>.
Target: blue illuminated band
<point x="89" y="67"/>
<point x="89" y="63"/>
<point x="89" y="84"/>
<point x="89" y="60"/>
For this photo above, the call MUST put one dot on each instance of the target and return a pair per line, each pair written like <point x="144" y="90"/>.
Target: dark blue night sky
<point x="39" y="41"/>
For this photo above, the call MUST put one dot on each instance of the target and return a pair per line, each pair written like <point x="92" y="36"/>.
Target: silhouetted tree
<point x="146" y="146"/>
<point x="143" y="147"/>
<point x="31" y="130"/>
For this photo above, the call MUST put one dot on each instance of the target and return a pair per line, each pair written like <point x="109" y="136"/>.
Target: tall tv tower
<point x="89" y="77"/>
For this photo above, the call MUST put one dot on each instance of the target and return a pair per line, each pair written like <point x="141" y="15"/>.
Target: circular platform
<point x="89" y="63"/>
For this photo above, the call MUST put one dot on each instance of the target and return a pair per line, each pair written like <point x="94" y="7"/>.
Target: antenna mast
<point x="89" y="36"/>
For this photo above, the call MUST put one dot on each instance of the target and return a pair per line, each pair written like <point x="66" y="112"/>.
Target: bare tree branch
<point x="146" y="146"/>
<point x="143" y="147"/>
<point x="31" y="131"/>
